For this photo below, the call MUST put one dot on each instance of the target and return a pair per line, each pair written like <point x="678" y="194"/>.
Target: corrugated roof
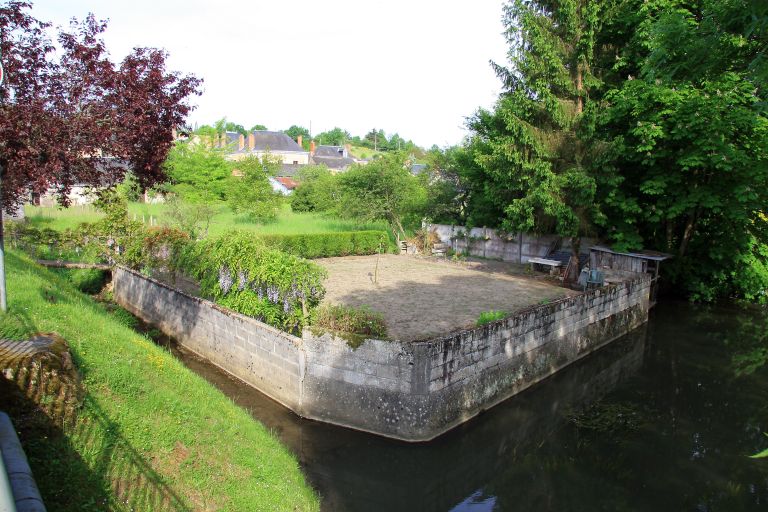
<point x="648" y="255"/>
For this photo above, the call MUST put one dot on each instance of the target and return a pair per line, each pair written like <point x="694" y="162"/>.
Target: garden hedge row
<point x="326" y="245"/>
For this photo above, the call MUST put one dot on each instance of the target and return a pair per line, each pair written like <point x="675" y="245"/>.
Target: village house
<point x="336" y="158"/>
<point x="263" y="142"/>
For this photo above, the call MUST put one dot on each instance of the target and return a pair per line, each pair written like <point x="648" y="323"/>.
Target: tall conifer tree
<point x="528" y="148"/>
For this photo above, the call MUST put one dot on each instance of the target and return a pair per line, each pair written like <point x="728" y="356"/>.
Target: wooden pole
<point x="3" y="296"/>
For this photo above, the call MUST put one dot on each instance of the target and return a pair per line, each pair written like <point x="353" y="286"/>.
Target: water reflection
<point x="458" y="471"/>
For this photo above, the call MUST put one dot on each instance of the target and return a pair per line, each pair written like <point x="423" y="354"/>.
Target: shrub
<point x="114" y="240"/>
<point x="347" y="319"/>
<point x="155" y="247"/>
<point x="487" y="317"/>
<point x="326" y="245"/>
<point x="238" y="271"/>
<point x="424" y="239"/>
<point x="87" y="280"/>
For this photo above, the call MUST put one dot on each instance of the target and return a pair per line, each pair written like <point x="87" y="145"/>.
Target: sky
<point x="418" y="68"/>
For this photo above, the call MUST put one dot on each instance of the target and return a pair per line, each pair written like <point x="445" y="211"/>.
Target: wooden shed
<point x="642" y="262"/>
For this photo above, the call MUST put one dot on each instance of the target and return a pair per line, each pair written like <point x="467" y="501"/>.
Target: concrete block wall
<point x="491" y="243"/>
<point x="264" y="357"/>
<point x="473" y="370"/>
<point x="411" y="391"/>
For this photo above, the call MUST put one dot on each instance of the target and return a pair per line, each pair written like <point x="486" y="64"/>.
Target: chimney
<point x="312" y="148"/>
<point x="347" y="147"/>
<point x="240" y="142"/>
<point x="299" y="140"/>
<point x="251" y="141"/>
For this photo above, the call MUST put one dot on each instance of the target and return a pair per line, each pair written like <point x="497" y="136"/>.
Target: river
<point x="658" y="420"/>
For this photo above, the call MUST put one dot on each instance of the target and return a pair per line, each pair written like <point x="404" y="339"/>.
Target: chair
<point x="595" y="277"/>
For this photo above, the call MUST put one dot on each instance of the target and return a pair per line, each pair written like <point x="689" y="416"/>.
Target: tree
<point x="528" y="154"/>
<point x="295" y="131"/>
<point x="318" y="190"/>
<point x="74" y="117"/>
<point x="335" y="137"/>
<point x="686" y="170"/>
<point x="250" y="191"/>
<point x="258" y="127"/>
<point x="198" y="173"/>
<point x="375" y="139"/>
<point x="382" y="190"/>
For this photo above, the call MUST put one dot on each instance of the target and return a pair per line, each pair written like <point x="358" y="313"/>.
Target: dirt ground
<point x="420" y="298"/>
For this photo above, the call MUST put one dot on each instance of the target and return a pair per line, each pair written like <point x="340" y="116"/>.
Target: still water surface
<point x="658" y="420"/>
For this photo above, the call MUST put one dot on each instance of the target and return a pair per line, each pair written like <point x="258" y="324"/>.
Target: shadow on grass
<point x="78" y="455"/>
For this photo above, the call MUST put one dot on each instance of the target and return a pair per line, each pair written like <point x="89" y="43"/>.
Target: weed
<point x="362" y="321"/>
<point x="487" y="317"/>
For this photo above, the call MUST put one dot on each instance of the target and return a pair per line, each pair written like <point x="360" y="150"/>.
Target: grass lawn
<point x="287" y="222"/>
<point x="150" y="434"/>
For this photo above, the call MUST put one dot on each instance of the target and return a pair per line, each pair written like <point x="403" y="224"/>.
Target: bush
<point x="326" y="245"/>
<point x="486" y="317"/>
<point x="118" y="240"/>
<point x="238" y="271"/>
<point x="346" y="319"/>
<point x="87" y="280"/>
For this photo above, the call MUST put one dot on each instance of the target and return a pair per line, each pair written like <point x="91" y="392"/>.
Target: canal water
<point x="663" y="419"/>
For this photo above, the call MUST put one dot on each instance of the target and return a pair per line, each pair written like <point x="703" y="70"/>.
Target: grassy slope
<point x="288" y="222"/>
<point x="363" y="152"/>
<point x="149" y="427"/>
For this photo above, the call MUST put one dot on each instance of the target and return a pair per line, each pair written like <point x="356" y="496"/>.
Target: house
<point x="283" y="184"/>
<point x="262" y="142"/>
<point x="336" y="158"/>
<point x="83" y="193"/>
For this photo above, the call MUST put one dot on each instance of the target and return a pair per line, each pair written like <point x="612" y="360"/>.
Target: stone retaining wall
<point x="411" y="391"/>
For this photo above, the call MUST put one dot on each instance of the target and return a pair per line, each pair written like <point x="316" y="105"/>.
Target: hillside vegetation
<point x="149" y="433"/>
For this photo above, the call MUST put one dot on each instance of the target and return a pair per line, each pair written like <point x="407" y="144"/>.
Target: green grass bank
<point x="148" y="431"/>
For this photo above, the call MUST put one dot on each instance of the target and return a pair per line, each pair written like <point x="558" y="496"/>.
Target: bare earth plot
<point x="420" y="299"/>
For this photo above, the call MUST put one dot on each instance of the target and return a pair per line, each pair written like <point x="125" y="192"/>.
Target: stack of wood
<point x="439" y="249"/>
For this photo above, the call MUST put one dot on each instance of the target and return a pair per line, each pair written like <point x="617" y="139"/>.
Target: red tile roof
<point x="288" y="183"/>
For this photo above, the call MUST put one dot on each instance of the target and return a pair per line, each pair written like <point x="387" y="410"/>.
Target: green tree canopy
<point x="529" y="161"/>
<point x="686" y="166"/>
<point x="199" y="174"/>
<point x="250" y="191"/>
<point x="382" y="190"/>
<point x="334" y="137"/>
<point x="318" y="190"/>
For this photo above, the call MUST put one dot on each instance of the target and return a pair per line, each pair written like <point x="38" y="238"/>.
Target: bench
<point x="552" y="264"/>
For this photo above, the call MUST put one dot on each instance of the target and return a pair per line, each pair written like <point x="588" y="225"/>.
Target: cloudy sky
<point x="414" y="67"/>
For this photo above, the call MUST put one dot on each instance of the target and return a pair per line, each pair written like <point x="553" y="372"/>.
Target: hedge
<point x="326" y="245"/>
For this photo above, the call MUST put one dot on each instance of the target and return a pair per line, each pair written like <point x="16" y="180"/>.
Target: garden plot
<point x="421" y="299"/>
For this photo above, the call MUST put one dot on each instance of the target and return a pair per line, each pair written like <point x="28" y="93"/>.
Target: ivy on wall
<point x="238" y="271"/>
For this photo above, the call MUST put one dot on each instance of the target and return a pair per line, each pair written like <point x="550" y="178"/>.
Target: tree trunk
<point x="690" y="225"/>
<point x="579" y="89"/>
<point x="572" y="271"/>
